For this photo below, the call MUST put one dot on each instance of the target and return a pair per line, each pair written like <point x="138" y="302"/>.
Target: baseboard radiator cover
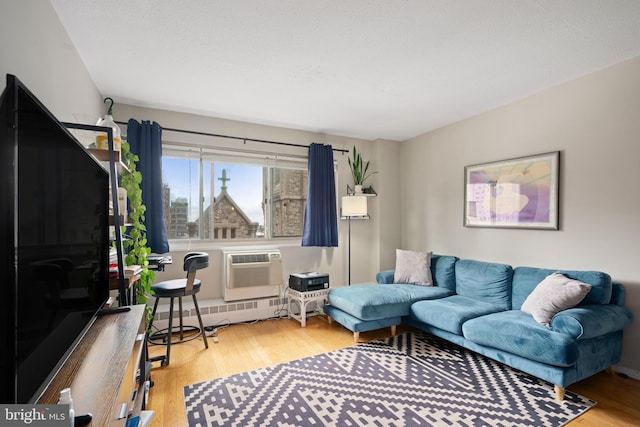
<point x="217" y="312"/>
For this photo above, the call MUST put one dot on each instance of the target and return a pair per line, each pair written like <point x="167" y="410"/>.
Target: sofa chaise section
<point x="372" y="306"/>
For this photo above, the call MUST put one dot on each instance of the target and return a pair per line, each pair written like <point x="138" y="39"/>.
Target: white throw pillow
<point x="554" y="294"/>
<point x="413" y="268"/>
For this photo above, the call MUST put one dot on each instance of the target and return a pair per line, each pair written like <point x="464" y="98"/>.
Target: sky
<point x="244" y="184"/>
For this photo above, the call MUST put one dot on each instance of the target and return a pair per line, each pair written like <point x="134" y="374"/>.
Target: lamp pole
<point x="353" y="207"/>
<point x="349" y="221"/>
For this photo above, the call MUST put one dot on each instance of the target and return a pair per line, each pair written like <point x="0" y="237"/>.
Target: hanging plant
<point x="359" y="168"/>
<point x="135" y="246"/>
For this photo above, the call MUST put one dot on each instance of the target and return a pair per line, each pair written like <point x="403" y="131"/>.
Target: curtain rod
<point x="264" y="141"/>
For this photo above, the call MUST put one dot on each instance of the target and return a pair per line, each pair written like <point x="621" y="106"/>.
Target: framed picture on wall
<point x="515" y="193"/>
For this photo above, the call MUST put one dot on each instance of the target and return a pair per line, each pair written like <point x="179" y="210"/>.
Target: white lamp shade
<point x="354" y="205"/>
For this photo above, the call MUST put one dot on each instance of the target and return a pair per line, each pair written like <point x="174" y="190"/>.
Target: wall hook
<point x="110" y="110"/>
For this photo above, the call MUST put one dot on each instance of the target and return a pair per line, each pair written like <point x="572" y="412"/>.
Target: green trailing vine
<point x="135" y="246"/>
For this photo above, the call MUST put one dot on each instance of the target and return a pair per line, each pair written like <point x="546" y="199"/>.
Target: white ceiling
<point x="371" y="69"/>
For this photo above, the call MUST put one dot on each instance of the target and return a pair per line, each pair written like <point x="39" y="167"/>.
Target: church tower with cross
<point x="229" y="221"/>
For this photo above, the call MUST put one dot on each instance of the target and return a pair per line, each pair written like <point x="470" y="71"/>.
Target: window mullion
<point x="266" y="185"/>
<point x="201" y="198"/>
<point x="212" y="196"/>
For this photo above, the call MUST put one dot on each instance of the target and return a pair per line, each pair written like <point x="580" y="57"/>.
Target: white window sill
<point x="195" y="245"/>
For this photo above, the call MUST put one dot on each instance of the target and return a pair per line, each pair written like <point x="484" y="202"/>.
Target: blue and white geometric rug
<point x="413" y="379"/>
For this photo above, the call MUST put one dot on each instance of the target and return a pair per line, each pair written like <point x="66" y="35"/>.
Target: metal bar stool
<point x="179" y="288"/>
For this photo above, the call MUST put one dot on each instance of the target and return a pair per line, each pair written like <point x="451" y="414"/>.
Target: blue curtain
<point x="145" y="140"/>
<point x="320" y="218"/>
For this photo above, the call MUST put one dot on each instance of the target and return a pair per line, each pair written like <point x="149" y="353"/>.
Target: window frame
<point x="210" y="154"/>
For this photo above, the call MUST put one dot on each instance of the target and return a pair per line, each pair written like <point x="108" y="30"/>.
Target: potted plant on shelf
<point x="359" y="170"/>
<point x="136" y="246"/>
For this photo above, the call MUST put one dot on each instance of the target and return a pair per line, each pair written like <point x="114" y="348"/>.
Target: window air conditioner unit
<point x="252" y="274"/>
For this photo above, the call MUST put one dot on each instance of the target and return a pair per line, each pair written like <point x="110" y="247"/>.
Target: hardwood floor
<point x="246" y="347"/>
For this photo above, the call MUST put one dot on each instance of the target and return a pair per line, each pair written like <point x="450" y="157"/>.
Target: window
<point x="210" y="195"/>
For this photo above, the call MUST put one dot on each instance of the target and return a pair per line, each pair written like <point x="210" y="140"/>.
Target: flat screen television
<point x="54" y="237"/>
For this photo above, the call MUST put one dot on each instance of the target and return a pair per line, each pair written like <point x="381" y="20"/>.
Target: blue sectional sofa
<point x="477" y="305"/>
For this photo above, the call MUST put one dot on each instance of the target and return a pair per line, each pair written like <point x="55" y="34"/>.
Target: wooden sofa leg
<point x="356" y="336"/>
<point x="330" y="320"/>
<point x="393" y="330"/>
<point x="611" y="371"/>
<point x="559" y="392"/>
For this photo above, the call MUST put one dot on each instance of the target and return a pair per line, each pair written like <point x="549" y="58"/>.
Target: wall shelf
<point x="103" y="157"/>
<point x="367" y="192"/>
<point x="356" y="217"/>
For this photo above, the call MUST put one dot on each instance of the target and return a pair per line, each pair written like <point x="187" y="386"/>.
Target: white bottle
<point x="65" y="399"/>
<point x="102" y="142"/>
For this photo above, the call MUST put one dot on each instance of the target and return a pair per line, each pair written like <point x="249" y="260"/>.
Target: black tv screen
<point x="55" y="238"/>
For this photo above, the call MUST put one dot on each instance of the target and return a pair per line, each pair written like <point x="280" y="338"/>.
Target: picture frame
<point x="515" y="193"/>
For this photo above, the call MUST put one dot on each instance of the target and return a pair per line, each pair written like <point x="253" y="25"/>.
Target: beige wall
<point x="385" y="208"/>
<point x="365" y="260"/>
<point x="35" y="47"/>
<point x="594" y="122"/>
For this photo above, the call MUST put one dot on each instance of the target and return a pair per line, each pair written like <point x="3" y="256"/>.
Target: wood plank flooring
<point x="246" y="347"/>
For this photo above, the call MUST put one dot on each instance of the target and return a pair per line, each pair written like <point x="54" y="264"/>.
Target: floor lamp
<point x="353" y="207"/>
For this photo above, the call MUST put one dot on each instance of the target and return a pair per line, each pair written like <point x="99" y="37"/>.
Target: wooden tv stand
<point x="102" y="371"/>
